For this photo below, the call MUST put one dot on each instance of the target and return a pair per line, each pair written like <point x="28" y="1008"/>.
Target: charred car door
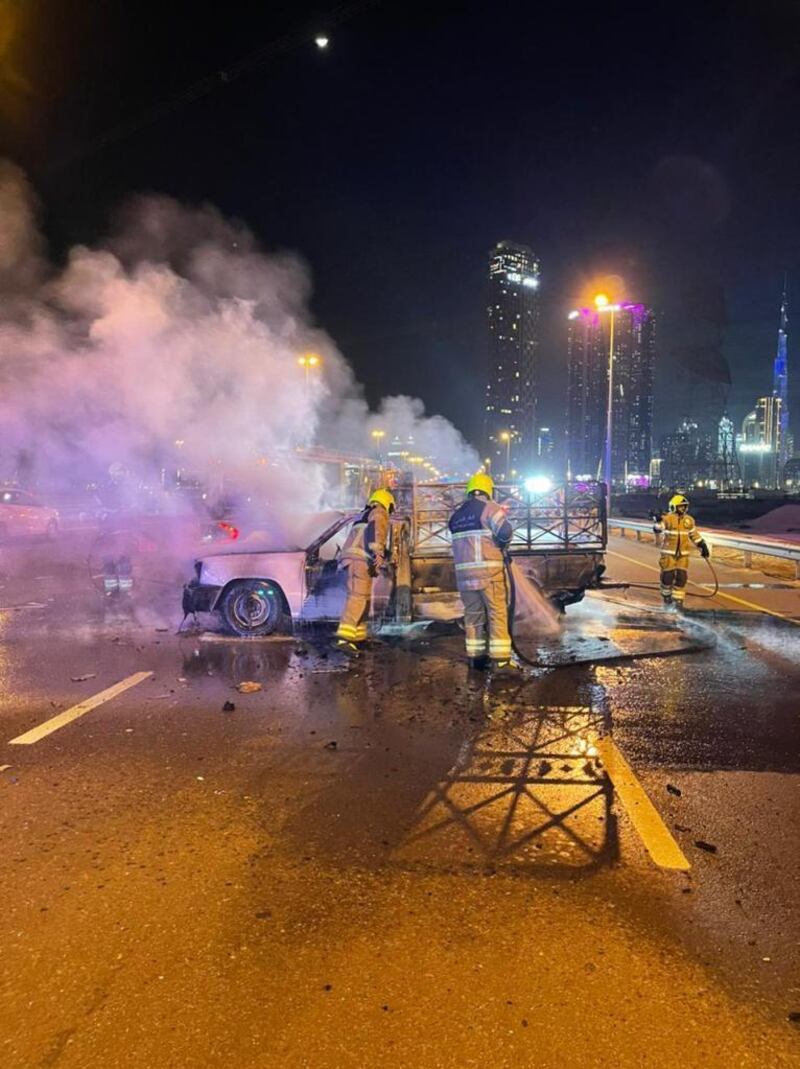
<point x="326" y="582"/>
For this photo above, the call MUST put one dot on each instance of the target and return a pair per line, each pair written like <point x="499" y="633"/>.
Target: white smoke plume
<point x="176" y="344"/>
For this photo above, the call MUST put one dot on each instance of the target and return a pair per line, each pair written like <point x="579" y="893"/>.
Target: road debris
<point x="674" y="790"/>
<point x="228" y="707"/>
<point x="709" y="848"/>
<point x="83" y="678"/>
<point x="332" y="745"/>
<point x="248" y="687"/>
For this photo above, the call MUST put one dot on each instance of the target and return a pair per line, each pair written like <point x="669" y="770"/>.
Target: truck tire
<point x="252" y="608"/>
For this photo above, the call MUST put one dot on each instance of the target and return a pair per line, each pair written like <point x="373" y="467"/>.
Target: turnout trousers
<point x="674" y="575"/>
<point x="486" y="620"/>
<point x="353" y="624"/>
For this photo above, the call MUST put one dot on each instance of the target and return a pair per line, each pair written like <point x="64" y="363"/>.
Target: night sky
<point x="656" y="143"/>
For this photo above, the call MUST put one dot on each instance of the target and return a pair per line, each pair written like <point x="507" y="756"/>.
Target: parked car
<point x="23" y="516"/>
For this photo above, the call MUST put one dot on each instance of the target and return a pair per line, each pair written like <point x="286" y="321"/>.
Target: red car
<point x="23" y="516"/>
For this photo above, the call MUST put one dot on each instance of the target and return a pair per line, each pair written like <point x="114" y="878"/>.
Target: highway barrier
<point x="746" y="545"/>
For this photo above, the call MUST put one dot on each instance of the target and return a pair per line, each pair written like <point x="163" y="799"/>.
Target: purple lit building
<point x="587" y="392"/>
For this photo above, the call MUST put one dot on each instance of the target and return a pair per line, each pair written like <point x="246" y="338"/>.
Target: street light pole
<point x="505" y="436"/>
<point x="601" y="302"/>
<point x="378" y="436"/>
<point x="307" y="362"/>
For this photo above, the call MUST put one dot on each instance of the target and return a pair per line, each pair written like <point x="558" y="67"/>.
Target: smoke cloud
<point x="175" y="344"/>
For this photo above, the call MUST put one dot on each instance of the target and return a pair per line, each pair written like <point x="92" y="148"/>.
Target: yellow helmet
<point x="382" y="497"/>
<point x="677" y="501"/>
<point x="482" y="482"/>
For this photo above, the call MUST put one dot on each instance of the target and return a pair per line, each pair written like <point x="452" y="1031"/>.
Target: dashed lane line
<point x="60" y="721"/>
<point x="656" y="836"/>
<point x="719" y="594"/>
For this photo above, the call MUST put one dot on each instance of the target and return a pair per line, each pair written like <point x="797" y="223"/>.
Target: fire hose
<point x="655" y="586"/>
<point x="511" y="592"/>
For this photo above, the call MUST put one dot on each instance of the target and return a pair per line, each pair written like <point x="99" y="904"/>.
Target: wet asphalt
<point x="393" y="861"/>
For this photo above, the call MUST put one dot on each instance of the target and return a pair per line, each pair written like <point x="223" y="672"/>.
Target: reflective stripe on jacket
<point x="480" y="531"/>
<point x="367" y="538"/>
<point x="674" y="532"/>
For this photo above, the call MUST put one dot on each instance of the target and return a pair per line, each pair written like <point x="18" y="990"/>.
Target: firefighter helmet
<point x="382" y="497"/>
<point x="678" y="501"/>
<point x="480" y="483"/>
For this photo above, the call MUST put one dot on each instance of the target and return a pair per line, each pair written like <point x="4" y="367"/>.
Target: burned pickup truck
<point x="261" y="585"/>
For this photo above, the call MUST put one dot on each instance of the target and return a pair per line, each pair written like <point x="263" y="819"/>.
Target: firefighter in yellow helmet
<point x="364" y="555"/>
<point x="480" y="534"/>
<point x="674" y="531"/>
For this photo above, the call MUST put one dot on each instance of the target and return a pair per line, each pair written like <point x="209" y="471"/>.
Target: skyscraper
<point x="780" y="382"/>
<point x="759" y="444"/>
<point x="589" y="340"/>
<point x="513" y="309"/>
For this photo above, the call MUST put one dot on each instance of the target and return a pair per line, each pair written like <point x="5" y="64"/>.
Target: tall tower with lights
<point x="780" y="382"/>
<point x="513" y="313"/>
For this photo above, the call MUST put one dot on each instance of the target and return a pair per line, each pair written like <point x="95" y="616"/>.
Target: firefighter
<point x="481" y="533"/>
<point x="674" y="530"/>
<point x="363" y="557"/>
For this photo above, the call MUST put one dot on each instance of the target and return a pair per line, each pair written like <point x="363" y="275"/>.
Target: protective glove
<point x="655" y="516"/>
<point x="705" y="552"/>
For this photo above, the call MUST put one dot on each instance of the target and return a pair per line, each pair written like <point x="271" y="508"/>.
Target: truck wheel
<point x="251" y="607"/>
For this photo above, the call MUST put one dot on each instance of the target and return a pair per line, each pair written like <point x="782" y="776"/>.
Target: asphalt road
<point x="398" y="864"/>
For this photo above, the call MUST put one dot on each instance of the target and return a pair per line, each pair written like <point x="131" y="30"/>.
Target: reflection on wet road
<point x="528" y="793"/>
<point x="395" y="861"/>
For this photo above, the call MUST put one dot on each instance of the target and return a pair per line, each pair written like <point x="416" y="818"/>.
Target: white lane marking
<point x="653" y="832"/>
<point x="56" y="722"/>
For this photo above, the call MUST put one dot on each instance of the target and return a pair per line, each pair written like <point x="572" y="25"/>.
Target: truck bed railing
<point x="568" y="518"/>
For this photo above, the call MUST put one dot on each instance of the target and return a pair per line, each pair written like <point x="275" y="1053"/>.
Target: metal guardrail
<point x="747" y="545"/>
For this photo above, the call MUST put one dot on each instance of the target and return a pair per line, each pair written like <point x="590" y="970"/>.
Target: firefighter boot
<point x="478" y="664"/>
<point x="345" y="646"/>
<point x="506" y="670"/>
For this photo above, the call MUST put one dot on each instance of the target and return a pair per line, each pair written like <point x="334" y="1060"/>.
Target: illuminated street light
<point x="378" y="437"/>
<point x="601" y="304"/>
<point x="321" y="41"/>
<point x="307" y="361"/>
<point x="506" y="436"/>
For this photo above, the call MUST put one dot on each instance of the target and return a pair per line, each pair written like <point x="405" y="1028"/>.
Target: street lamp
<point x="307" y="361"/>
<point x="506" y="436"/>
<point x="378" y="436"/>
<point x="602" y="305"/>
